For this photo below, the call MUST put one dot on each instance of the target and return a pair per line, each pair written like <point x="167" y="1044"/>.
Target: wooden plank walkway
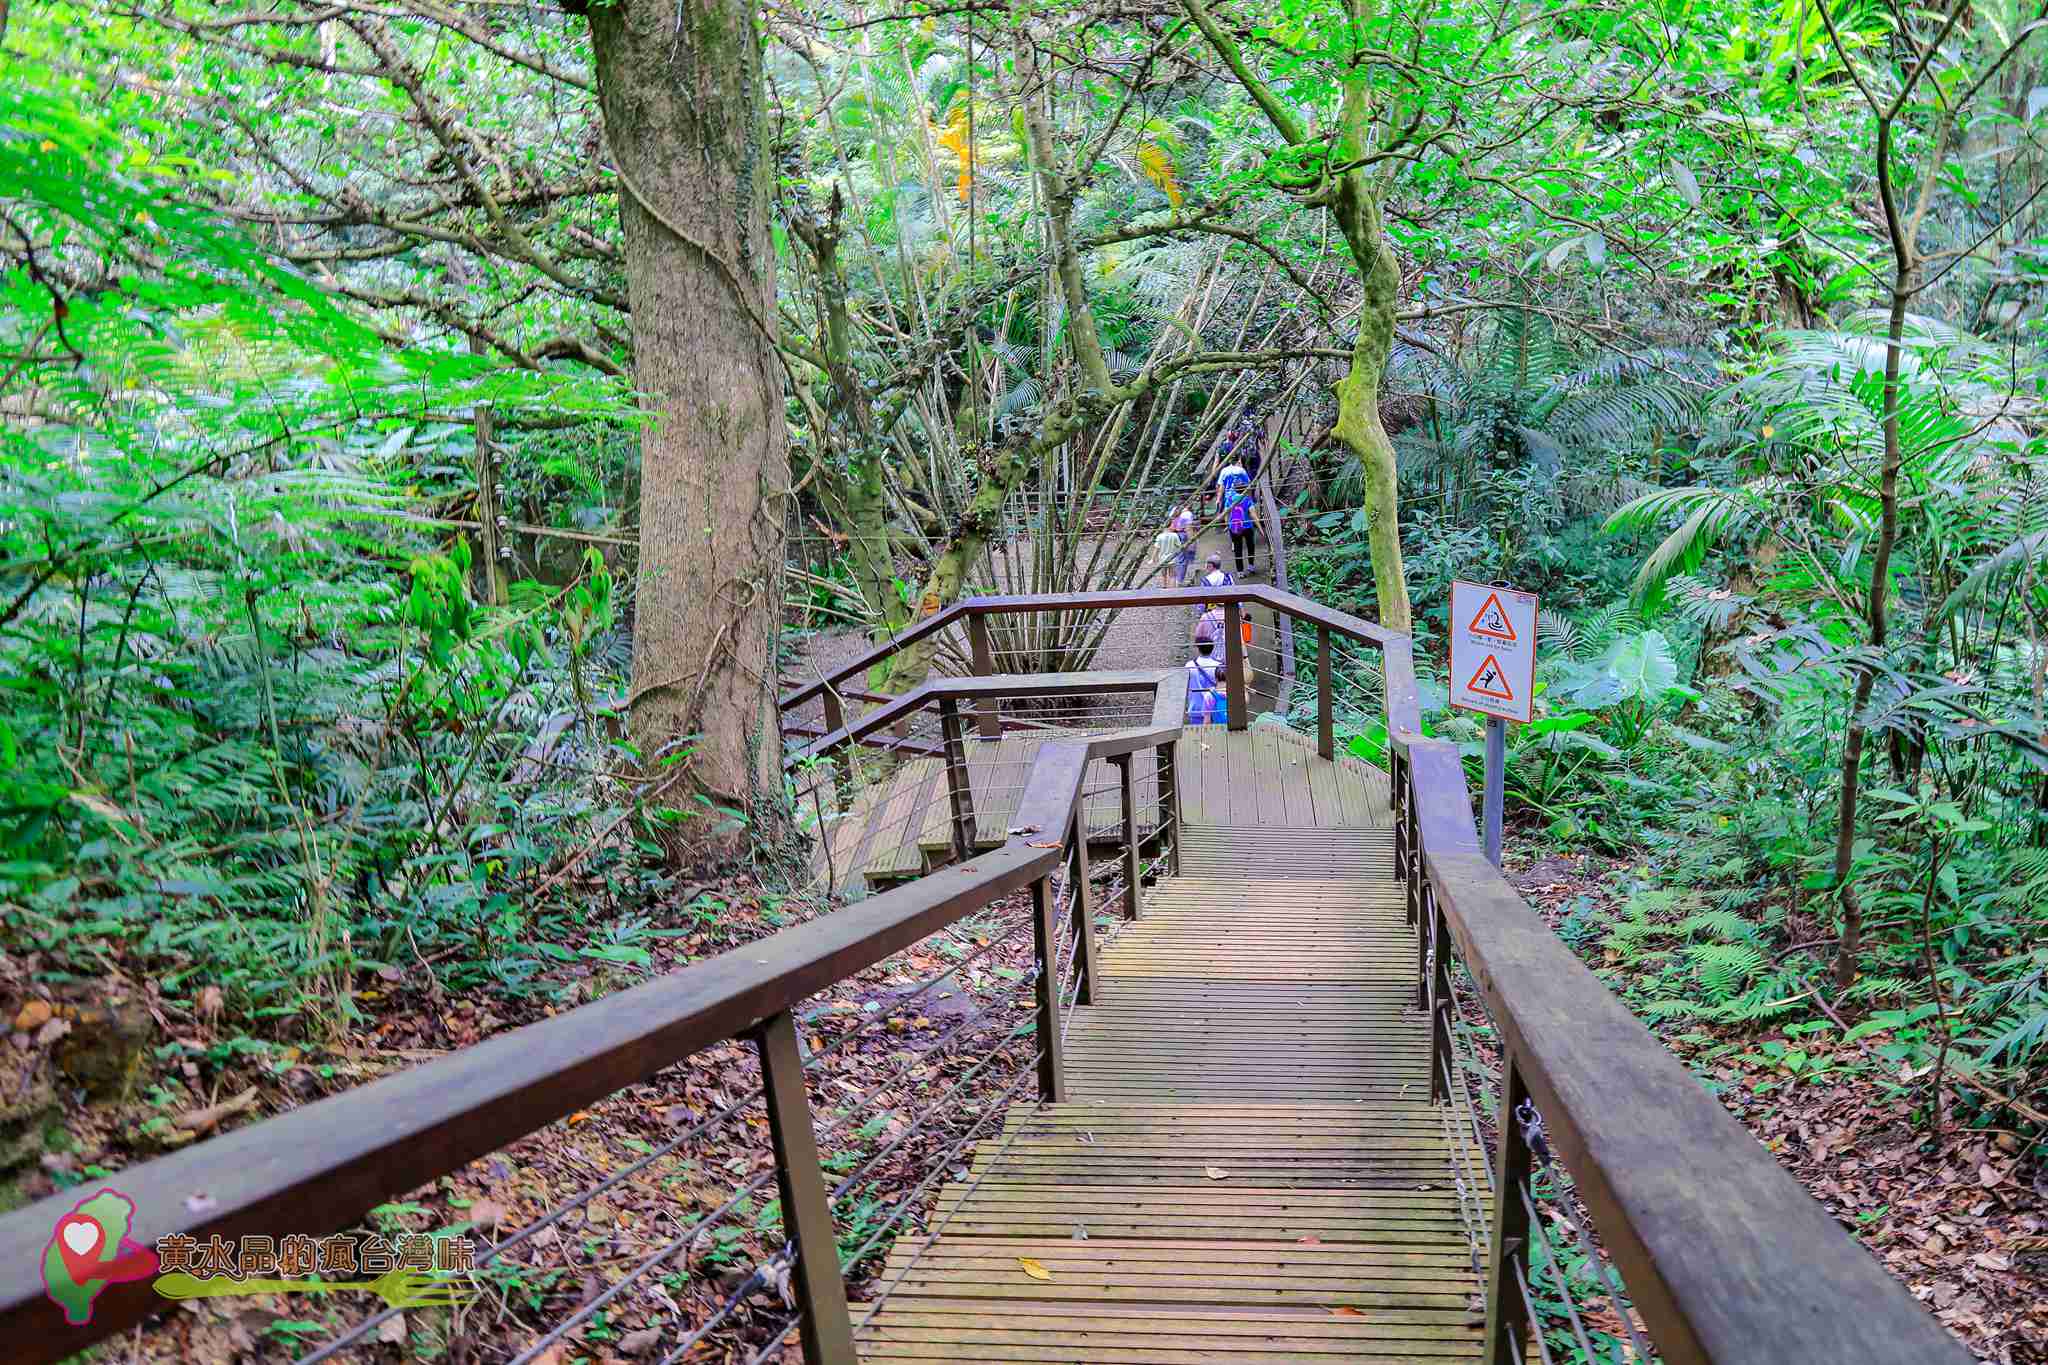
<point x="1265" y="776"/>
<point x="1248" y="1167"/>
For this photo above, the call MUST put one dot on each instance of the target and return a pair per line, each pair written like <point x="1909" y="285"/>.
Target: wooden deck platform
<point x="1248" y="1167"/>
<point x="1266" y="776"/>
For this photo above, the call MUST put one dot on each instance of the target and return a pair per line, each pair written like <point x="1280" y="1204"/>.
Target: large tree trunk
<point x="680" y="88"/>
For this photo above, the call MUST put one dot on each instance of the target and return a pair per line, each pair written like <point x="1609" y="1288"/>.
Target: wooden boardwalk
<point x="1248" y="1166"/>
<point x="1266" y="776"/>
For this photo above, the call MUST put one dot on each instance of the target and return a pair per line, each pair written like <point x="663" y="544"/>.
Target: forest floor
<point x="1963" y="1224"/>
<point x="882" y="1046"/>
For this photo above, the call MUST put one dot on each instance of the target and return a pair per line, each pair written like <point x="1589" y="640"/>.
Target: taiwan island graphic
<point x="89" y="1250"/>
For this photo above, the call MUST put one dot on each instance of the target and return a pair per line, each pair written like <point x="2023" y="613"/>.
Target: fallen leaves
<point x="486" y="1214"/>
<point x="1216" y="1173"/>
<point x="1346" y="1311"/>
<point x="640" y="1342"/>
<point x="1035" y="1269"/>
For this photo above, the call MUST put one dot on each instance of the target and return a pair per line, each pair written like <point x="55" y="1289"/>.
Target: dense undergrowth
<point x="1692" y="702"/>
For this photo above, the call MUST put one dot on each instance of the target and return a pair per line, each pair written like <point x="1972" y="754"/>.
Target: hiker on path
<point x="1166" y="548"/>
<point x="1183" y="524"/>
<point x="1234" y="501"/>
<point x="1209" y="630"/>
<point x="1208" y="704"/>
<point x="1218" y="576"/>
<point x="1247" y="446"/>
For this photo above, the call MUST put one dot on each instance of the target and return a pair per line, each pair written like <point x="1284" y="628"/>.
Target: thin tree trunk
<point x="1905" y="232"/>
<point x="490" y="549"/>
<point x="1355" y="201"/>
<point x="680" y="89"/>
<point x="852" y="421"/>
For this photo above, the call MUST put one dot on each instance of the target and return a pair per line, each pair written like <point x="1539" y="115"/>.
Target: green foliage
<point x="250" y="738"/>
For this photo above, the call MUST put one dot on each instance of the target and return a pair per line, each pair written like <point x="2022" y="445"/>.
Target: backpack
<point x="1209" y="627"/>
<point x="1183" y="522"/>
<point x="1203" y="683"/>
<point x="1240" y="516"/>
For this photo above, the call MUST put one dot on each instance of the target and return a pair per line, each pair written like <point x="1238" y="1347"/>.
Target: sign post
<point x="1493" y="672"/>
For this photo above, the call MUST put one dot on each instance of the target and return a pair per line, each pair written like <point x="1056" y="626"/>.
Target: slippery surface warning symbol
<point x="1493" y="650"/>
<point x="1492" y="620"/>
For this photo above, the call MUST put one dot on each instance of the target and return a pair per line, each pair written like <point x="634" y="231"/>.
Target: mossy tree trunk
<point x="1353" y="185"/>
<point x="680" y="88"/>
<point x="1359" y="427"/>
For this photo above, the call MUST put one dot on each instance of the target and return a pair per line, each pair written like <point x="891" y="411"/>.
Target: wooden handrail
<point x="1404" y="712"/>
<point x="991" y="687"/>
<point x="1725" y="1254"/>
<point x="324" y="1166"/>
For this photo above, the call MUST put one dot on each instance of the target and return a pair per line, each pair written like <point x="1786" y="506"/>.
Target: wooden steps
<point x="1248" y="1167"/>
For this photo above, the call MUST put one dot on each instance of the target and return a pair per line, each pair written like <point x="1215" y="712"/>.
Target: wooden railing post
<point x="1407" y="837"/>
<point x="1507" y="1312"/>
<point x="1423" y="946"/>
<point x="1132" y="862"/>
<point x="806" y="1211"/>
<point x="842" y="760"/>
<point x="959" y="786"/>
<point x="1052" y="1071"/>
<point x="984" y="664"/>
<point x="1326" y="738"/>
<point x="1169" y="805"/>
<point x="1439" y="1001"/>
<point x="1233" y="664"/>
<point x="1085" y="974"/>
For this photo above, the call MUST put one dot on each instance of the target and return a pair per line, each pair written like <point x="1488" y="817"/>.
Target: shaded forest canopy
<point x="431" y="435"/>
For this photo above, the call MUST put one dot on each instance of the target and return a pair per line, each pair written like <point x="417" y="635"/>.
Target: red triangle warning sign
<point x="1493" y="620"/>
<point x="1490" y="681"/>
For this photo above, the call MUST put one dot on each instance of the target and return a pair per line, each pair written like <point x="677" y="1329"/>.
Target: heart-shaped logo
<point x="82" y="1235"/>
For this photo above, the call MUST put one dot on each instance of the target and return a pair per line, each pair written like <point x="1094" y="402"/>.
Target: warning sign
<point x="1489" y="681"/>
<point x="1493" y="650"/>
<point x="1493" y="620"/>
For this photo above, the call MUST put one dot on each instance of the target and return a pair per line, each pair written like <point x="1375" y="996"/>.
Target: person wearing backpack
<point x="1218" y="576"/>
<point x="1208" y="634"/>
<point x="1234" y="501"/>
<point x="1208" y="703"/>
